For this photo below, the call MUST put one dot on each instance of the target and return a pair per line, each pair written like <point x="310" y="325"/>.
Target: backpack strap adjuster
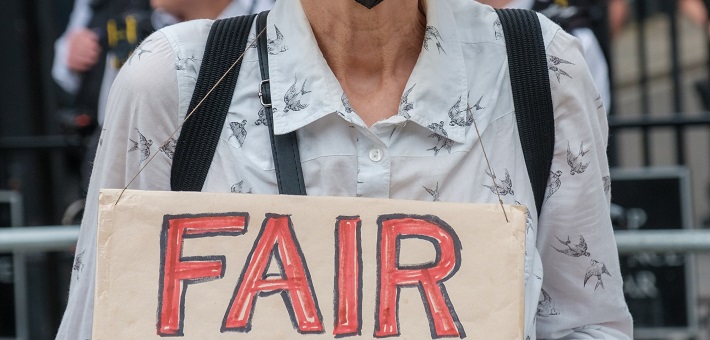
<point x="261" y="92"/>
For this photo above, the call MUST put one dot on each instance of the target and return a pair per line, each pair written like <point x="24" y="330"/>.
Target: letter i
<point x="348" y="277"/>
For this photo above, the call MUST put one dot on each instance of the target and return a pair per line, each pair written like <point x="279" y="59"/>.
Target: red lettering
<point x="277" y="239"/>
<point x="429" y="278"/>
<point x="348" y="279"/>
<point x="177" y="272"/>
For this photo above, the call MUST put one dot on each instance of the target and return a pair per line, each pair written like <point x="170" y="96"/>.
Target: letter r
<point x="429" y="278"/>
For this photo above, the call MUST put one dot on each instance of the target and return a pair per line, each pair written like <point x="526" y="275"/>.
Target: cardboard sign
<point x="225" y="266"/>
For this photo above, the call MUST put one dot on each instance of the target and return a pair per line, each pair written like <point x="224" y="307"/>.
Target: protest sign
<point x="225" y="266"/>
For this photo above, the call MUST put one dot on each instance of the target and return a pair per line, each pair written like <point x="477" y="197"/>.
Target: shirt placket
<point x="374" y="165"/>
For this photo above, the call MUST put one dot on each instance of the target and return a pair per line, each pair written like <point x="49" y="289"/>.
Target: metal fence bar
<point x="643" y="77"/>
<point x="691" y="241"/>
<point x="700" y="119"/>
<point x="19" y="266"/>
<point x="14" y="199"/>
<point x="672" y="11"/>
<point x="49" y="238"/>
<point x="52" y="238"/>
<point x="39" y="142"/>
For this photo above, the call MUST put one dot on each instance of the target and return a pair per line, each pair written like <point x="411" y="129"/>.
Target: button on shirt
<point x="428" y="151"/>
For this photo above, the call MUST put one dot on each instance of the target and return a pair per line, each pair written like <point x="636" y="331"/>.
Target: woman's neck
<point x="370" y="51"/>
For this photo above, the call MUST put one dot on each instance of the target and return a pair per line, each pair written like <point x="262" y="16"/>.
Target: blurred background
<point x="656" y="66"/>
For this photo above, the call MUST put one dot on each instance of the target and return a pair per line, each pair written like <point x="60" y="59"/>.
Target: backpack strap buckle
<point x="261" y="92"/>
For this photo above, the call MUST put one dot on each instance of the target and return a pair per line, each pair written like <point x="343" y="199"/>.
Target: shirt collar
<point x="304" y="88"/>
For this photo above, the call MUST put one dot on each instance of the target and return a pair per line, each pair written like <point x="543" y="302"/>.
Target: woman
<point x="380" y="100"/>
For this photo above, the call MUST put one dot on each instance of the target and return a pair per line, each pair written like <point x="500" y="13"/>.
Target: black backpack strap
<point x="287" y="161"/>
<point x="200" y="133"/>
<point x="530" y="80"/>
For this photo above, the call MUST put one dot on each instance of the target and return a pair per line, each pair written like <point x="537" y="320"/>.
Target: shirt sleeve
<point x="598" y="67"/>
<point x="135" y="151"/>
<point x="582" y="294"/>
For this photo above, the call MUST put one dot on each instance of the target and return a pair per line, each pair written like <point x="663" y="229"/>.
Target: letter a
<point x="278" y="240"/>
<point x="429" y="278"/>
<point x="176" y="273"/>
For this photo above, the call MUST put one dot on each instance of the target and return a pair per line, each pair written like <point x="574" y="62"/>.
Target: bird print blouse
<point x="428" y="151"/>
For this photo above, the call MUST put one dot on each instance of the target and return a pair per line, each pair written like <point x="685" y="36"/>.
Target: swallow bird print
<point x="553" y="183"/>
<point x="558" y="61"/>
<point x="586" y="327"/>
<point x="596" y="269"/>
<point x="460" y="117"/>
<point x="607" y="184"/>
<point x="292" y="98"/>
<point x="574" y="250"/>
<point x="238" y="131"/>
<point x="78" y="266"/>
<point x="545" y="307"/>
<point x="441" y="138"/>
<point x="478" y="106"/>
<point x="434" y="192"/>
<point x="504" y="187"/>
<point x="554" y="64"/>
<point x="181" y="63"/>
<point x="101" y="137"/>
<point x="262" y="117"/>
<point x="139" y="51"/>
<point x="168" y="148"/>
<point x="142" y="145"/>
<point x="404" y="105"/>
<point x="600" y="103"/>
<point x="346" y="103"/>
<point x="463" y="117"/>
<point x="347" y="109"/>
<point x="238" y="188"/>
<point x="251" y="41"/>
<point x="528" y="219"/>
<point x="277" y="45"/>
<point x="432" y="34"/>
<point x="498" y="29"/>
<point x="576" y="162"/>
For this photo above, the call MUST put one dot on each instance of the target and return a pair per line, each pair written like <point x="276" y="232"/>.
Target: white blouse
<point x="428" y="151"/>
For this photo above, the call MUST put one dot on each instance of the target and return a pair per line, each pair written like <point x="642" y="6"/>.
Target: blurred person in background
<point x="90" y="43"/>
<point x="574" y="17"/>
<point x="99" y="39"/>
<point x="86" y="60"/>
<point x="695" y="10"/>
<point x="95" y="37"/>
<point x="618" y="10"/>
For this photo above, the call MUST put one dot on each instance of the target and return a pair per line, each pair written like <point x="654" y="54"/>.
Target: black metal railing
<point x="679" y="120"/>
